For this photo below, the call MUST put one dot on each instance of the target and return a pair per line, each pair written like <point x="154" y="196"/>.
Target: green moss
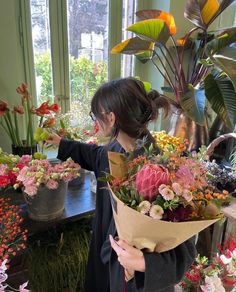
<point x="57" y="258"/>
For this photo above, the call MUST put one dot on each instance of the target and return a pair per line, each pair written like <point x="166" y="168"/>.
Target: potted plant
<point x="189" y="65"/>
<point x="11" y="118"/>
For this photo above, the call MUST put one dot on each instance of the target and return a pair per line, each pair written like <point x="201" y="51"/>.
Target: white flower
<point x="212" y="284"/>
<point x="144" y="207"/>
<point x="225" y="260"/>
<point x="166" y="193"/>
<point x="156" y="212"/>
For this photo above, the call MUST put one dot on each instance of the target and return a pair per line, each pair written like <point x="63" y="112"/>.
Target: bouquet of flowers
<point x="24" y="113"/>
<point x="29" y="173"/>
<point x="219" y="275"/>
<point x="166" y="192"/>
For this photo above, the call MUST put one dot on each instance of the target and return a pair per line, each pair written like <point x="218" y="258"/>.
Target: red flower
<point x="4" y="180"/>
<point x="43" y="109"/>
<point x="3" y="108"/>
<point x="54" y="108"/>
<point x="12" y="177"/>
<point x="19" y="109"/>
<point x="49" y="123"/>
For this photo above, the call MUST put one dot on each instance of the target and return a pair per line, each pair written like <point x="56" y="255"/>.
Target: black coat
<point x="162" y="270"/>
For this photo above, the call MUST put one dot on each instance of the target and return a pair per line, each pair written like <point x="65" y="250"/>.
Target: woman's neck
<point x="126" y="141"/>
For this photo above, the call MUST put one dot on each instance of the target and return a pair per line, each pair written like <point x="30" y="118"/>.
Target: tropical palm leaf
<point x="203" y="12"/>
<point x="222" y="97"/>
<point x="193" y="104"/>
<point x="133" y="46"/>
<point x="158" y="14"/>
<point x="152" y="30"/>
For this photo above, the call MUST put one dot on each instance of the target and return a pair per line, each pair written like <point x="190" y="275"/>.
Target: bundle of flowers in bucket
<point x="161" y="200"/>
<point x="44" y="185"/>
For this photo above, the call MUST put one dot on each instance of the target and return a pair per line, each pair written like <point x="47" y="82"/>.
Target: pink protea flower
<point x="149" y="178"/>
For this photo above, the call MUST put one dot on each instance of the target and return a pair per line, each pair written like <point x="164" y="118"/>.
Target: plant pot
<point x="47" y="204"/>
<point x="24" y="150"/>
<point x="182" y="126"/>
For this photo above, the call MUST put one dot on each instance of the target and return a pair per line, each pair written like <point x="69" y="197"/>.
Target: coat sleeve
<point x="166" y="269"/>
<point x="87" y="155"/>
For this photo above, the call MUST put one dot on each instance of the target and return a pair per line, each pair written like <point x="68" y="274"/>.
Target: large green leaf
<point x="226" y="60"/>
<point x="193" y="104"/>
<point x="221" y="41"/>
<point x="158" y="14"/>
<point x="222" y="97"/>
<point x="144" y="56"/>
<point x="203" y="12"/>
<point x="133" y="46"/>
<point x="153" y="30"/>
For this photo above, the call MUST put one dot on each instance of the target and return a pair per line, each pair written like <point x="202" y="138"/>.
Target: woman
<point x="123" y="109"/>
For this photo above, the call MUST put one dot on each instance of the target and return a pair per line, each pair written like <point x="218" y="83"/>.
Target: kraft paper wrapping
<point x="142" y="231"/>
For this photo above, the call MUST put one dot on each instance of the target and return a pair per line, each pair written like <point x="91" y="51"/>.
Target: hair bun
<point x="159" y="101"/>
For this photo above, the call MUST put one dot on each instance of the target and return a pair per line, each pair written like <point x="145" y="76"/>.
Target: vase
<point x="93" y="182"/>
<point x="24" y="150"/>
<point x="184" y="127"/>
<point x="47" y="204"/>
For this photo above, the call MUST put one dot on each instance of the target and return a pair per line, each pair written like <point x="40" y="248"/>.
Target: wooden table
<point x="79" y="203"/>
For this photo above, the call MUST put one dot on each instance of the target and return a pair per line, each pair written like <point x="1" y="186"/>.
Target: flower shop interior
<point x="55" y="54"/>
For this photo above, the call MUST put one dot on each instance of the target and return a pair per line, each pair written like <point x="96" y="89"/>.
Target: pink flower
<point x="187" y="195"/>
<point x="52" y="184"/>
<point x="149" y="178"/>
<point x="22" y="287"/>
<point x="166" y="192"/>
<point x="31" y="190"/>
<point x="3" y="169"/>
<point x="177" y="188"/>
<point x="25" y="159"/>
<point x="184" y="176"/>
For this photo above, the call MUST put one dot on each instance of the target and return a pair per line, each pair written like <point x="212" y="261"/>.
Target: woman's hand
<point x="129" y="257"/>
<point x="53" y="139"/>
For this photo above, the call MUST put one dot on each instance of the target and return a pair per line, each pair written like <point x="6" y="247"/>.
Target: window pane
<point x="127" y="20"/>
<point x="41" y="48"/>
<point x="88" y="49"/>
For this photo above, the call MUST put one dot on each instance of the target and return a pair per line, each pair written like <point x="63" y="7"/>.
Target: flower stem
<point x="19" y="142"/>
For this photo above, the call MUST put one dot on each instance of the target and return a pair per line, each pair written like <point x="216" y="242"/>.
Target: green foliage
<point x="85" y="77"/>
<point x="57" y="259"/>
<point x="43" y="68"/>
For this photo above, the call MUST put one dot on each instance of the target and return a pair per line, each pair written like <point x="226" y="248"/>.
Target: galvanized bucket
<point x="47" y="204"/>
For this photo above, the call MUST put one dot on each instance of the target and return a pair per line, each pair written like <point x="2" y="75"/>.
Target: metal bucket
<point x="47" y="204"/>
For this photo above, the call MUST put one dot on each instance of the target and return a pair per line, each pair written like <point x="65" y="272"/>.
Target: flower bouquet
<point x="161" y="200"/>
<point x="10" y="119"/>
<point x="219" y="275"/>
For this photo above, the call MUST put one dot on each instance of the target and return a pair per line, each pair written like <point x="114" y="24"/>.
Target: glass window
<point x="88" y="49"/>
<point x="42" y="49"/>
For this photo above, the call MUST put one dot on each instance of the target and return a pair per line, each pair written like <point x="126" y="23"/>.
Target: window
<point x="42" y="49"/>
<point x="71" y="47"/>
<point x="127" y="19"/>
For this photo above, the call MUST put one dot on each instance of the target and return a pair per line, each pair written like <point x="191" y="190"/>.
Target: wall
<point x="11" y="57"/>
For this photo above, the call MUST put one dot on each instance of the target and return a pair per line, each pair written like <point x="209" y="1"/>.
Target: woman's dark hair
<point x="132" y="105"/>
